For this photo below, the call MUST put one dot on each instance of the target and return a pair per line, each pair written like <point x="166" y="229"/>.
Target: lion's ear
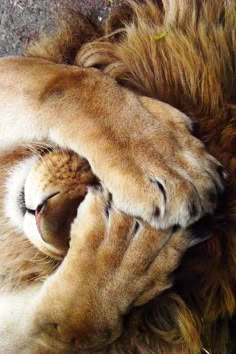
<point x="62" y="45"/>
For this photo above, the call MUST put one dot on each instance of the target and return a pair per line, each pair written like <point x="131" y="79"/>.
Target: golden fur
<point x="192" y="68"/>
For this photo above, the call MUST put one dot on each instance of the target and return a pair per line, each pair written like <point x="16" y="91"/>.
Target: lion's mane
<point x="183" y="53"/>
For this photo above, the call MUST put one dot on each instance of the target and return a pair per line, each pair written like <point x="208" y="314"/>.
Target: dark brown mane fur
<point x="192" y="67"/>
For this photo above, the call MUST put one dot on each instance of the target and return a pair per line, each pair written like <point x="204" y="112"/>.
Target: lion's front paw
<point x="131" y="261"/>
<point x="166" y="177"/>
<point x="114" y="262"/>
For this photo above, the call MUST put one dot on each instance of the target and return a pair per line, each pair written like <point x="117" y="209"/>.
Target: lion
<point x="103" y="199"/>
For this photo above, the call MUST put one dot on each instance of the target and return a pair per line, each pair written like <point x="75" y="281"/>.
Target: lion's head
<point x="42" y="188"/>
<point x="181" y="53"/>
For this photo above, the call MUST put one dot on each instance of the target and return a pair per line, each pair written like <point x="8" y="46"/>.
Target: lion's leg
<point x="15" y="329"/>
<point x="149" y="161"/>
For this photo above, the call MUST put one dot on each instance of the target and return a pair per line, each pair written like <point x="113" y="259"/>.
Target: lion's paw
<point x="168" y="177"/>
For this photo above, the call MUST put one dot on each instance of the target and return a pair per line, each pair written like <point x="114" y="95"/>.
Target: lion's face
<point x="42" y="195"/>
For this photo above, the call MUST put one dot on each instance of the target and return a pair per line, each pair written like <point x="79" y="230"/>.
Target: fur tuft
<point x="61" y="46"/>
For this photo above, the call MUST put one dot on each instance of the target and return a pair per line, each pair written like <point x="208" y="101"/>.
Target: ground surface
<point x="22" y="20"/>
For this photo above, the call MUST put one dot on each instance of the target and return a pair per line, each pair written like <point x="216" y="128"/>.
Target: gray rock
<point x="22" y="20"/>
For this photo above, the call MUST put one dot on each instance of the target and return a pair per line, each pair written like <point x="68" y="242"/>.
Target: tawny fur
<point x="95" y="267"/>
<point x="192" y="68"/>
